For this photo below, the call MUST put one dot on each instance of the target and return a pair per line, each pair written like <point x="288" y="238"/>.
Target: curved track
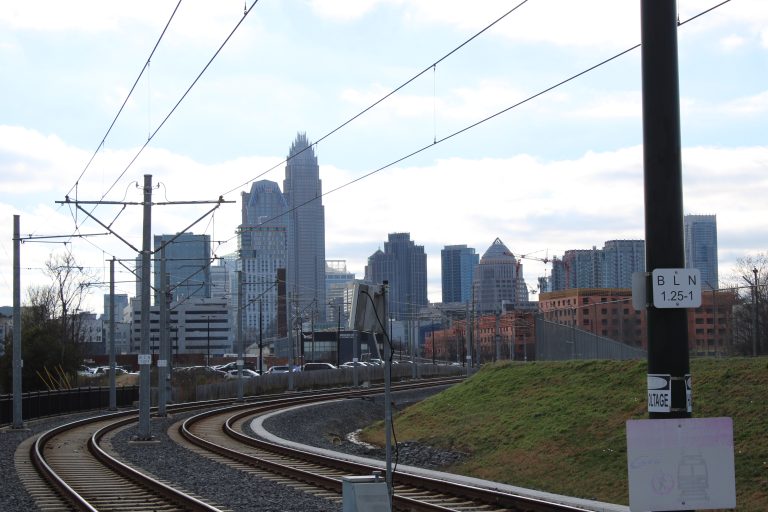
<point x="221" y="432"/>
<point x="85" y="477"/>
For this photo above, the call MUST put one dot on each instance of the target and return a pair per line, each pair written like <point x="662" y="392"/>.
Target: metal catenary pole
<point x="162" y="361"/>
<point x="112" y="383"/>
<point x="145" y="358"/>
<point x="240" y="342"/>
<point x="145" y="253"/>
<point x="667" y="327"/>
<point x="17" y="361"/>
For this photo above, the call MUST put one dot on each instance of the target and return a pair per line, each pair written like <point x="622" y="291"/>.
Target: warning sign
<point x="659" y="392"/>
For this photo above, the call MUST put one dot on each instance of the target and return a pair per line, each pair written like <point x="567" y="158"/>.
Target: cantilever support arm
<point x="108" y="228"/>
<point x="185" y="229"/>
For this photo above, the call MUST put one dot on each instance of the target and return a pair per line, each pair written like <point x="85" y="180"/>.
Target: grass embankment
<point x="560" y="427"/>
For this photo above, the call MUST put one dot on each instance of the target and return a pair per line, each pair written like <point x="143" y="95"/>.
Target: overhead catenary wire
<point x="424" y="148"/>
<point x="168" y="115"/>
<point x="181" y="99"/>
<point x="383" y="98"/>
<point x="339" y="127"/>
<point x="473" y="125"/>
<point x="127" y="97"/>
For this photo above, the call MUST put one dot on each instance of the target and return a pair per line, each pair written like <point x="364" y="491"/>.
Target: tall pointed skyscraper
<point x="306" y="231"/>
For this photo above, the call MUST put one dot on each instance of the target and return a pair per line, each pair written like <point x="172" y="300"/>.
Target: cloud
<point x="95" y="16"/>
<point x="31" y="162"/>
<point x="586" y="23"/>
<point x="749" y="105"/>
<point x="625" y="105"/>
<point x="732" y="42"/>
<point x="467" y="104"/>
<point x="346" y="10"/>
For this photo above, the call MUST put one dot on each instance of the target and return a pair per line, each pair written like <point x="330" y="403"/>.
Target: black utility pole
<point x="667" y="328"/>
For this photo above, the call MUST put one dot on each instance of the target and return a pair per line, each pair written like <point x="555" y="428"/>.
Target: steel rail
<point x="405" y="483"/>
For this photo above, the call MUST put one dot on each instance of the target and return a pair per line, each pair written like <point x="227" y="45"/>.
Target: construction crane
<point x="544" y="260"/>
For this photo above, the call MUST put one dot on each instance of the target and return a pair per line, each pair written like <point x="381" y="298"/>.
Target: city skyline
<point x="563" y="171"/>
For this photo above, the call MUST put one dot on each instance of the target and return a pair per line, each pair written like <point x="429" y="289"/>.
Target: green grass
<point x="560" y="427"/>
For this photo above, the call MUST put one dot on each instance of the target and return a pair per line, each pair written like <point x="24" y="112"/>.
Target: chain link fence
<point x="558" y="342"/>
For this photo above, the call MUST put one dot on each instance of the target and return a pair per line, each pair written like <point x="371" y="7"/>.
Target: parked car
<point x="377" y="362"/>
<point x="104" y="370"/>
<point x="226" y="367"/>
<point x="84" y="371"/>
<point x="279" y="369"/>
<point x="247" y="374"/>
<point x="352" y="364"/>
<point x="318" y="366"/>
<point x="200" y="370"/>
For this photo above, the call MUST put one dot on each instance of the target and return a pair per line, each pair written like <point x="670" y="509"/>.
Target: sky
<point x="561" y="171"/>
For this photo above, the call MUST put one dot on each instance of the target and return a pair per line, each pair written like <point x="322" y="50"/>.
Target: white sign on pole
<point x="681" y="464"/>
<point x="161" y="363"/>
<point x="676" y="287"/>
<point x="145" y="359"/>
<point x="659" y="392"/>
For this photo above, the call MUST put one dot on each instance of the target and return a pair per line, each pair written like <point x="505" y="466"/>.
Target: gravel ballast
<point x="326" y="426"/>
<point x="329" y="425"/>
<point x="226" y="487"/>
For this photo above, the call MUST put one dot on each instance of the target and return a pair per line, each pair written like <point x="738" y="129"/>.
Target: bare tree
<point x="750" y="317"/>
<point x="41" y="304"/>
<point x="70" y="285"/>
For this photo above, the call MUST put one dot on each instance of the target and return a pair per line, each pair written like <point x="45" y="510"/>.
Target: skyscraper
<point x="583" y="268"/>
<point x="404" y="265"/>
<point x="498" y="278"/>
<point x="263" y="242"/>
<point x="121" y="302"/>
<point x="187" y="263"/>
<point x="306" y="229"/>
<point x="621" y="258"/>
<point x="701" y="247"/>
<point x="458" y="262"/>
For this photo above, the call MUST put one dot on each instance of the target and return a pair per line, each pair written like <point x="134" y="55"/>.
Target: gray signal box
<point x="365" y="494"/>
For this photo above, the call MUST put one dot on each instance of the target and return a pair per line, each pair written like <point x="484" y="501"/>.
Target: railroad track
<point x="67" y="469"/>
<point x="221" y="432"/>
<point x="82" y="475"/>
<point x="85" y="477"/>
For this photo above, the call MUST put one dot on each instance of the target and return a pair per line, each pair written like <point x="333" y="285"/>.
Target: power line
<point x="339" y="127"/>
<point x="420" y="150"/>
<point x="473" y="125"/>
<point x="125" y="101"/>
<point x="183" y="96"/>
<point x="380" y="100"/>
